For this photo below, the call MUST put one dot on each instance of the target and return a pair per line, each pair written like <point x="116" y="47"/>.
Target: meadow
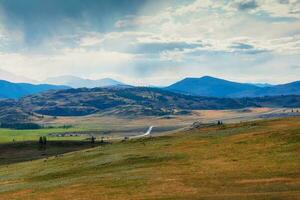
<point x="249" y="160"/>
<point x="111" y="126"/>
<point x="11" y="135"/>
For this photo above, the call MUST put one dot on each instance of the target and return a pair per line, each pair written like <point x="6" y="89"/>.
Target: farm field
<point x="248" y="160"/>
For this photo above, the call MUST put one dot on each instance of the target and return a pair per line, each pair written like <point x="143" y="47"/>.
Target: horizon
<point x="34" y="82"/>
<point x="147" y="43"/>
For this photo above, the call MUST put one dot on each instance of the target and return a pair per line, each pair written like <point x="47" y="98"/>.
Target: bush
<point x="20" y="126"/>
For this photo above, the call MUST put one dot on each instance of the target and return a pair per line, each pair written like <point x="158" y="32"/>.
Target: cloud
<point x="132" y="21"/>
<point x="175" y="55"/>
<point x="241" y="46"/>
<point x="295" y="67"/>
<point x="246" y="4"/>
<point x="90" y="40"/>
<point x="288" y="9"/>
<point x="272" y="8"/>
<point x="70" y="61"/>
<point x="285" y="45"/>
<point x="42" y="19"/>
<point x="157" y="47"/>
<point x="141" y="42"/>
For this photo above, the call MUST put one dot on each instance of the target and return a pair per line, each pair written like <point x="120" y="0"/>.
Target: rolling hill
<point x="77" y="82"/>
<point x="17" y="90"/>
<point x="119" y="101"/>
<point x="215" y="87"/>
<point x="127" y="102"/>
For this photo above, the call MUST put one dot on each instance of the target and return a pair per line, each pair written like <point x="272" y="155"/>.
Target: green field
<point x="251" y="160"/>
<point x="11" y="135"/>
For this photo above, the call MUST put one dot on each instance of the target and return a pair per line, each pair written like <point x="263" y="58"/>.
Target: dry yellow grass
<point x="253" y="160"/>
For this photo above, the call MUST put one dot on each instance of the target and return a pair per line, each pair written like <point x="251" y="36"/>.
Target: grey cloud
<point x="254" y="51"/>
<point x="284" y="1"/>
<point x="132" y="45"/>
<point x="246" y="5"/>
<point x="42" y="19"/>
<point x="157" y="47"/>
<point x="242" y="46"/>
<point x="246" y="48"/>
<point x="295" y="67"/>
<point x="240" y="49"/>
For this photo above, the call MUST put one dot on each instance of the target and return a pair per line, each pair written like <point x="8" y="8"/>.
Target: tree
<point x="44" y="140"/>
<point x="41" y="142"/>
<point x="93" y="139"/>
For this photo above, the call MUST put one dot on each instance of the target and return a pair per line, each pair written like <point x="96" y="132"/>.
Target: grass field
<point x="110" y="126"/>
<point x="253" y="160"/>
<point x="10" y="135"/>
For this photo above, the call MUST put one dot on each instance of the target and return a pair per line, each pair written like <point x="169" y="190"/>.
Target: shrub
<point x="20" y="126"/>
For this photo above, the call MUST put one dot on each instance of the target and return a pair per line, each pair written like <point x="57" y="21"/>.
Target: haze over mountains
<point x="77" y="82"/>
<point x="8" y="76"/>
<point x="205" y="86"/>
<point x="262" y="84"/>
<point x="14" y="86"/>
<point x="215" y="87"/>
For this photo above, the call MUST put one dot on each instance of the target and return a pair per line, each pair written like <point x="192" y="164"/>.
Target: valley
<point x="108" y="127"/>
<point x="130" y="102"/>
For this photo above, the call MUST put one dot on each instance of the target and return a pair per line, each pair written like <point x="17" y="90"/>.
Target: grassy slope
<point x="17" y="152"/>
<point x="255" y="160"/>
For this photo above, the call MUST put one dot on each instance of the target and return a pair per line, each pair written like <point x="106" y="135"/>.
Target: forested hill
<point x="139" y="101"/>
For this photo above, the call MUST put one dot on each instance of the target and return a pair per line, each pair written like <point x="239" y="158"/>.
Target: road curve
<point x="145" y="134"/>
<point x="136" y="136"/>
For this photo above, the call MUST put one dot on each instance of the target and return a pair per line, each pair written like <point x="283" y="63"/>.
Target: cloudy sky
<point x="151" y="42"/>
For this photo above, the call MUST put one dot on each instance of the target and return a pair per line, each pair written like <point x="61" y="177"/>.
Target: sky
<point x="148" y="42"/>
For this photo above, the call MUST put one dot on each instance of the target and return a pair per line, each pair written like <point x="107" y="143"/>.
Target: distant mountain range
<point x="205" y="86"/>
<point x="77" y="82"/>
<point x="215" y="87"/>
<point x="17" y="90"/>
